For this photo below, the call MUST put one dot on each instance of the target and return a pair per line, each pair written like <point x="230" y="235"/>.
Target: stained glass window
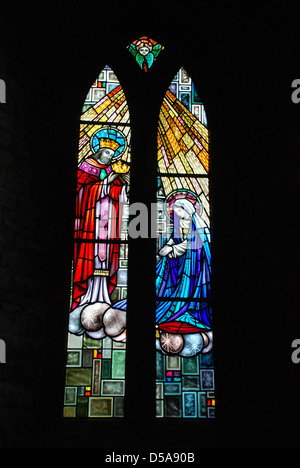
<point x="96" y="346"/>
<point x="184" y="336"/>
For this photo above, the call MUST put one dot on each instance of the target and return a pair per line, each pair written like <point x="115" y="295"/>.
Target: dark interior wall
<point x="243" y="62"/>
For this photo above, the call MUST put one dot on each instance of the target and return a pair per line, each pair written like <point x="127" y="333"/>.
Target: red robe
<point x="89" y="188"/>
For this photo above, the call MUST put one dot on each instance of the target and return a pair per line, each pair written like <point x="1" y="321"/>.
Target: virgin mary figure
<point x="183" y="312"/>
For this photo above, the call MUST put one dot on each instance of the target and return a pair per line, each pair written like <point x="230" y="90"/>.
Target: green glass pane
<point x="82" y="407"/>
<point x="106" y="369"/>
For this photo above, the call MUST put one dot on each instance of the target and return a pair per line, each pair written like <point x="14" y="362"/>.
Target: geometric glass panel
<point x="184" y="333"/>
<point x="96" y="343"/>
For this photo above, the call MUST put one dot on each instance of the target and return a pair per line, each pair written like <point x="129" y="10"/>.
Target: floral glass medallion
<point x="145" y="51"/>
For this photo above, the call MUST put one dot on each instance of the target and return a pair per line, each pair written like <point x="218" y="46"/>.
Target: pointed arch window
<point x="96" y="354"/>
<point x="184" y="365"/>
<point x="96" y="348"/>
